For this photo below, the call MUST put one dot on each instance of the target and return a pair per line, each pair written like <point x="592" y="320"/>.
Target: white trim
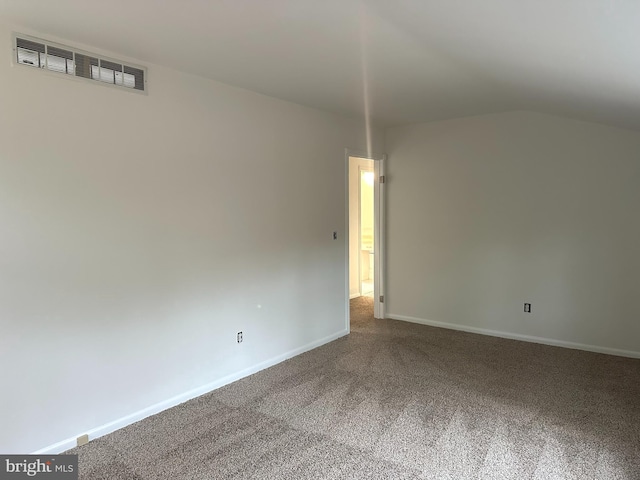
<point x="517" y="336"/>
<point x="349" y="152"/>
<point x="347" y="227"/>
<point x="94" y="433"/>
<point x="379" y="235"/>
<point x="354" y="295"/>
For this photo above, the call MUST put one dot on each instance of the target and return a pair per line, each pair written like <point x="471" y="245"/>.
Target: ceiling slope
<point x="402" y="61"/>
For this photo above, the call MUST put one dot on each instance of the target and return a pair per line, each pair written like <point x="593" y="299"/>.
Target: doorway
<point x="365" y="200"/>
<point x="365" y="230"/>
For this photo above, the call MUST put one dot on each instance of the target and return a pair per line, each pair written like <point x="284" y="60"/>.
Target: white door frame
<point x="378" y="236"/>
<point x="379" y="310"/>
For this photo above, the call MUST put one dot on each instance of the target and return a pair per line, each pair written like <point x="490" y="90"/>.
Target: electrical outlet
<point x="239" y="337"/>
<point x="527" y="308"/>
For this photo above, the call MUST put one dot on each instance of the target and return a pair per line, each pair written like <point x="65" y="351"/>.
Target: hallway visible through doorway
<point x="365" y="224"/>
<point x="367" y="221"/>
<point x="361" y="227"/>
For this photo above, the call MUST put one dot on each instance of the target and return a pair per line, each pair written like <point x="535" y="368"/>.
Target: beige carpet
<point x="395" y="400"/>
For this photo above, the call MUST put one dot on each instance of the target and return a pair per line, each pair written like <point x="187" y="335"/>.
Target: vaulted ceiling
<point x="397" y="61"/>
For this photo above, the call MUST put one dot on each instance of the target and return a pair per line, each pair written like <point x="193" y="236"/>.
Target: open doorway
<point x="365" y="229"/>
<point x="361" y="222"/>
<point x="365" y="239"/>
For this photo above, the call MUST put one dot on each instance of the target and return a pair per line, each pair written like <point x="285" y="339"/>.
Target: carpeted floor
<point x="395" y="400"/>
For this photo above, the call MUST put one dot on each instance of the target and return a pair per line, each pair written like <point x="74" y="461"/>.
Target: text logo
<point x="51" y="467"/>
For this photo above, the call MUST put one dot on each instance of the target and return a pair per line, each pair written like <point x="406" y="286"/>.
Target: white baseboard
<point x="94" y="433"/>
<point x="354" y="295"/>
<point x="517" y="336"/>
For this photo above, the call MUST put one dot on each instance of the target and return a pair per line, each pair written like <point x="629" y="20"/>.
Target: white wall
<point x="489" y="212"/>
<point x="140" y="233"/>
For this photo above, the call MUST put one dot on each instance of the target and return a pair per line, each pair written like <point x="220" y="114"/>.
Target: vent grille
<point x="38" y="53"/>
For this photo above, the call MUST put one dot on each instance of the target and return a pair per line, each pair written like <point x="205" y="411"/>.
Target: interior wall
<point x="355" y="163"/>
<point x="486" y="213"/>
<point x="140" y="233"/>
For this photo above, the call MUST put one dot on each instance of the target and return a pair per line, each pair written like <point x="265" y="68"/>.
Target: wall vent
<point x="34" y="52"/>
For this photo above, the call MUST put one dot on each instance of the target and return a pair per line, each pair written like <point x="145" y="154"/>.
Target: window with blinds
<point x="38" y="53"/>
